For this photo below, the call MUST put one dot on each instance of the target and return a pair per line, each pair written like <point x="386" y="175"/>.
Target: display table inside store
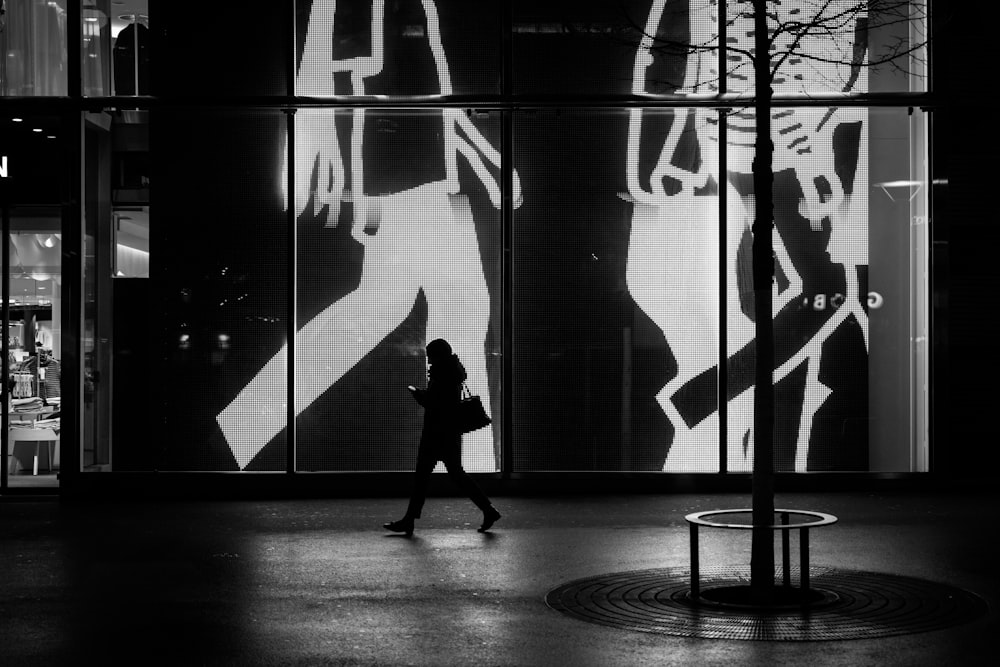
<point x="28" y="430"/>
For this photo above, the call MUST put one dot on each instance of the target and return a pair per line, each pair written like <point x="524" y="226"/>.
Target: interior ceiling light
<point x="36" y="129"/>
<point x="17" y="120"/>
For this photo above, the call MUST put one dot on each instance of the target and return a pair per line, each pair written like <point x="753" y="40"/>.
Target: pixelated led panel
<point x="858" y="605"/>
<point x="820" y="318"/>
<point x="582" y="226"/>
<point x="222" y="280"/>
<point x="393" y="253"/>
<point x="397" y="49"/>
<point x="819" y="61"/>
<point x="587" y="47"/>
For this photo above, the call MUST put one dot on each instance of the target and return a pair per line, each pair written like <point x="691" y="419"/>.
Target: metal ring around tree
<point x="822" y="519"/>
<point x="819" y="519"/>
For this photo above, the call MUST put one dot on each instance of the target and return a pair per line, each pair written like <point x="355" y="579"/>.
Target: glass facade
<point x="33" y="48"/>
<point x="562" y="190"/>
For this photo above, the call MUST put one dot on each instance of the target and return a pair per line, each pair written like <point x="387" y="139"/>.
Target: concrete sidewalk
<point x="318" y="581"/>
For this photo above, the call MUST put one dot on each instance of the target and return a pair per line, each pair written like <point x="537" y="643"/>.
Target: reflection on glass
<point x="33" y="48"/>
<point x="219" y="285"/>
<point x="588" y="48"/>
<point x="131" y="51"/>
<point x="131" y="238"/>
<point x="897" y="296"/>
<point x="95" y="46"/>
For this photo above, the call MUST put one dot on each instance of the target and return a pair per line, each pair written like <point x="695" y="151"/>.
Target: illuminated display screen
<point x="672" y="270"/>
<point x="820" y="248"/>
<point x="398" y="49"/>
<point x="399" y="231"/>
<point x="821" y="294"/>
<point x="219" y="274"/>
<point x="617" y="261"/>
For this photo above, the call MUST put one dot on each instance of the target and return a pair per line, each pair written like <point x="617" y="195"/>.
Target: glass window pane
<point x="832" y="47"/>
<point x="844" y="329"/>
<point x="95" y="47"/>
<point x="820" y="246"/>
<point x="221" y="236"/>
<point x="615" y="292"/>
<point x="898" y="297"/>
<point x="230" y="48"/>
<point x="399" y="244"/>
<point x="34" y="336"/>
<point x="131" y="47"/>
<point x="673" y="275"/>
<point x="31" y="145"/>
<point x="31" y="192"/>
<point x="435" y="47"/>
<point x="632" y="47"/>
<point x="33" y="48"/>
<point x="898" y="38"/>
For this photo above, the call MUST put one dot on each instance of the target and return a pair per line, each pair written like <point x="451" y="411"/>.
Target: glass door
<point x="33" y="342"/>
<point x="31" y="201"/>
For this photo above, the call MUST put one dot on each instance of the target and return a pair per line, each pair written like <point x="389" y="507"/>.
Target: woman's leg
<point x="453" y="462"/>
<point x="421" y="477"/>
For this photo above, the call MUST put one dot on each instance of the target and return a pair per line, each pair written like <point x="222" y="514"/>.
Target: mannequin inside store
<point x="116" y="219"/>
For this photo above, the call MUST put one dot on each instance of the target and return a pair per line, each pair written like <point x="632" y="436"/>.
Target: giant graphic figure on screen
<point x="419" y="238"/>
<point x="673" y="258"/>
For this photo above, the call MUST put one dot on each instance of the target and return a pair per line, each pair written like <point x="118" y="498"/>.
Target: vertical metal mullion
<point x="5" y="420"/>
<point x="723" y="180"/>
<point x="291" y="276"/>
<point x="74" y="28"/>
<point x="507" y="305"/>
<point x="292" y="256"/>
<point x="935" y="317"/>
<point x="73" y="256"/>
<point x="723" y="375"/>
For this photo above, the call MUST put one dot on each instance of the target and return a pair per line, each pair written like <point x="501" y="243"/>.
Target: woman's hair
<point x="439" y="347"/>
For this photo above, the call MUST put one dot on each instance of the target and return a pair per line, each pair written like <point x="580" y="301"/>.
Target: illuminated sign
<point x="821" y="302"/>
<point x="3" y="166"/>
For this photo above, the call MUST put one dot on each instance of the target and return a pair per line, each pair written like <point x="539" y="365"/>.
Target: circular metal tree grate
<point x="851" y="605"/>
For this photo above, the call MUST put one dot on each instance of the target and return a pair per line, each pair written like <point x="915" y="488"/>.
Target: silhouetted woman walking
<point x="441" y="439"/>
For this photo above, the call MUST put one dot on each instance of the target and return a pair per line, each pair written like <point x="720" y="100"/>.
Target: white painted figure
<point x="673" y="249"/>
<point x="424" y="238"/>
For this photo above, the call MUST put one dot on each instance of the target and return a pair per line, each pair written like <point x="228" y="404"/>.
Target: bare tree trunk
<point x="762" y="545"/>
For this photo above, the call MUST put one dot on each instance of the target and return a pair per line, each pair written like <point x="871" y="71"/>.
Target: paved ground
<point x="304" y="582"/>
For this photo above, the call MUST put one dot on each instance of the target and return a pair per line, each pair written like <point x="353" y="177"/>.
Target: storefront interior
<point x="118" y="204"/>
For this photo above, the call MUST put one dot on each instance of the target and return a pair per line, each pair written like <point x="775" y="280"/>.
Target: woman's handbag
<point x="471" y="414"/>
